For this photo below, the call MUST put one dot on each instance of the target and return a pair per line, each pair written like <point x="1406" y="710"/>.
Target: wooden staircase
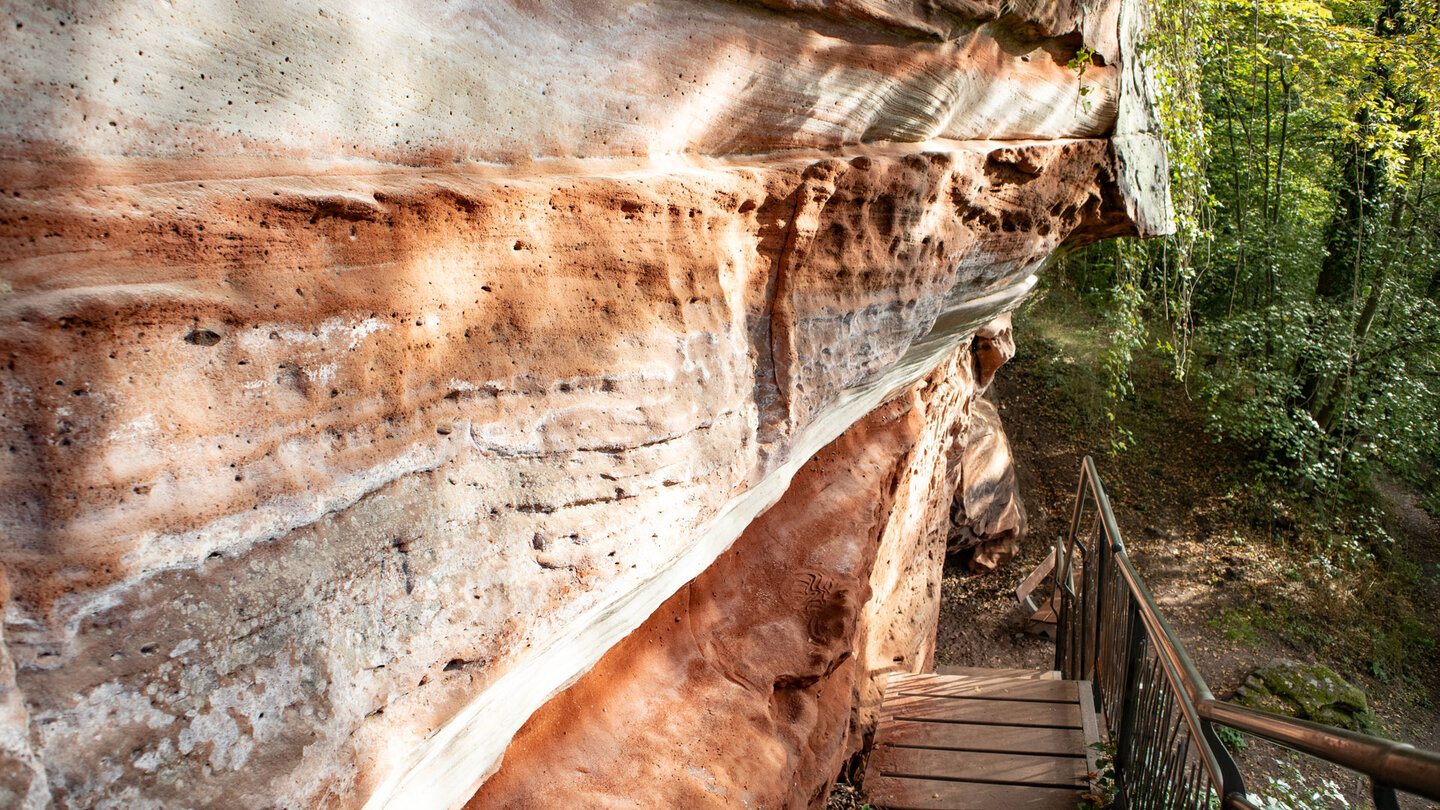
<point x="982" y="739"/>
<point x="991" y="739"/>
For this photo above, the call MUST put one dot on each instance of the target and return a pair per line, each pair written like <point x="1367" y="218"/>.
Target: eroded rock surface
<point x="987" y="520"/>
<point x="739" y="689"/>
<point x="368" y="370"/>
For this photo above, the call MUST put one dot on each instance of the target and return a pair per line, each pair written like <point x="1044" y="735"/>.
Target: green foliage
<point x="1069" y="340"/>
<point x="1302" y="289"/>
<point x="1234" y="740"/>
<point x="1101" y="794"/>
<point x="1318" y="114"/>
<point x="1294" y="790"/>
<point x="1254" y="395"/>
<point x="1386" y="411"/>
<point x="1126" y="323"/>
<point x="1431" y="502"/>
<point x="1175" y="51"/>
<point x="1080" y="63"/>
<point x="1105" y="279"/>
<point x="1410" y="641"/>
<point x="1237" y="625"/>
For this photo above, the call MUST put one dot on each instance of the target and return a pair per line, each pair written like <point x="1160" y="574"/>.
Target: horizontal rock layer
<point x="428" y="421"/>
<point x="368" y="370"/>
<point x="426" y="82"/>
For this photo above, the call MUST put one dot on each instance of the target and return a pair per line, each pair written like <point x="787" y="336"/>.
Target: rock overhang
<point x="316" y="452"/>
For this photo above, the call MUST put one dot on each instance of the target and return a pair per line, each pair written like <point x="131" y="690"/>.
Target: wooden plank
<point x="987" y="689"/>
<point x="926" y="794"/>
<point x="969" y="766"/>
<point x="986" y="712"/>
<point x="970" y="737"/>
<point x="981" y="740"/>
<point x="1090" y="725"/>
<point x="1031" y="582"/>
<point x="1045" y="615"/>
<point x="966" y="674"/>
<point x="985" y="672"/>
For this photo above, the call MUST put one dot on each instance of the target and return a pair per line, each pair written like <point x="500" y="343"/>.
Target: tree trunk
<point x="1345" y="234"/>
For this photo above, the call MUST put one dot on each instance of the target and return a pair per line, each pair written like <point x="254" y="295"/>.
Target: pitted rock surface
<point x="369" y="369"/>
<point x="740" y="687"/>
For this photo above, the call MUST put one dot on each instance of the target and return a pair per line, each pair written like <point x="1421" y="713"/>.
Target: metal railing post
<point x="1062" y="628"/>
<point x="1231" y="780"/>
<point x="1384" y="796"/>
<point x="1134" y="659"/>
<point x="1090" y="602"/>
<point x="1101" y="562"/>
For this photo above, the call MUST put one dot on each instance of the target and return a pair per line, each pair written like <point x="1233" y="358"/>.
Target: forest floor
<point x="1237" y="571"/>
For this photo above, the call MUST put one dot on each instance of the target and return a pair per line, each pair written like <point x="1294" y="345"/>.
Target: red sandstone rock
<point x="988" y="517"/>
<point x="738" y="691"/>
<point x="367" y="370"/>
<point x="565" y="377"/>
<point x="993" y="347"/>
<point x="426" y="83"/>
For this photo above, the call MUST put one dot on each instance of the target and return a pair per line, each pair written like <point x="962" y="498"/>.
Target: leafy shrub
<point x="1295" y="791"/>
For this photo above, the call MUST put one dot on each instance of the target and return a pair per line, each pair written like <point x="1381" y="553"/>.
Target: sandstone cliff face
<point x="368" y="370"/>
<point x="739" y="687"/>
<point x="738" y="691"/>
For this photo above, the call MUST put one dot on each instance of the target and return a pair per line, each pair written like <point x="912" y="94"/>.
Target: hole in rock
<point x="203" y="337"/>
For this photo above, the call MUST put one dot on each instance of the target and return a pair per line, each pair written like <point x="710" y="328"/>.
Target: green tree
<point x="1303" y="281"/>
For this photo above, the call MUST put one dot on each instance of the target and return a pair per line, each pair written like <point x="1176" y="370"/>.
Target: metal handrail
<point x="1398" y="766"/>
<point x="1159" y="709"/>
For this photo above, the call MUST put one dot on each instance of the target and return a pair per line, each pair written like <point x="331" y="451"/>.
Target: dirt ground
<point x="1239" y="589"/>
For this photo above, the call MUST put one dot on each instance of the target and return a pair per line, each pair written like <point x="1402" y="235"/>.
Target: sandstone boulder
<point x="993" y="347"/>
<point x="987" y="518"/>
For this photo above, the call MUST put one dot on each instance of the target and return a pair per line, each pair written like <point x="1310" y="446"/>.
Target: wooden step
<point x="981" y="738"/>
<point x="931" y="794"/>
<point x="971" y="737"/>
<point x="985" y="688"/>
<point x="1033" y="674"/>
<point x="985" y="712"/>
<point x="974" y="766"/>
